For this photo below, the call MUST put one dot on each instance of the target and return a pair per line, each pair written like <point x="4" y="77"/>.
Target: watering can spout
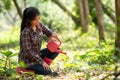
<point x="60" y="51"/>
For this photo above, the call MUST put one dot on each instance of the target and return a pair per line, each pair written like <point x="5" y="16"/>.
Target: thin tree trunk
<point x="82" y="19"/>
<point x="107" y="10"/>
<point x="75" y="19"/>
<point x="86" y="14"/>
<point x="25" y="3"/>
<point x="18" y="8"/>
<point x="6" y="63"/>
<point x="9" y="63"/>
<point x="100" y="20"/>
<point x="117" y="39"/>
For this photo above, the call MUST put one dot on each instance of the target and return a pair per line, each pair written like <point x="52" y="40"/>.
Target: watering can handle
<point x="56" y="37"/>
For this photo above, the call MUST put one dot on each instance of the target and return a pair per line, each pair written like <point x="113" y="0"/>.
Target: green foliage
<point x="8" y="54"/>
<point x="101" y="55"/>
<point x="7" y="70"/>
<point x="87" y="76"/>
<point x="5" y="5"/>
<point x="93" y="11"/>
<point x="9" y="38"/>
<point x="22" y="64"/>
<point x="43" y="0"/>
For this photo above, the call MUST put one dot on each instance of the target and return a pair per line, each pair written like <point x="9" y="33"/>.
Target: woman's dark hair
<point x="29" y="14"/>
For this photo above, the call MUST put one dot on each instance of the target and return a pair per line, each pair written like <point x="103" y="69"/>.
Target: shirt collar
<point x="31" y="30"/>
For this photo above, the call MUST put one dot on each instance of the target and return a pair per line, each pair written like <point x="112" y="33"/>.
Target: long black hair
<point x="29" y="14"/>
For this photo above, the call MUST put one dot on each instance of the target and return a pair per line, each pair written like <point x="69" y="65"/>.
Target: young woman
<point x="31" y="34"/>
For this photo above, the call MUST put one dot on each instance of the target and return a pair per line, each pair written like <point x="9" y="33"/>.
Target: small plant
<point x="7" y="55"/>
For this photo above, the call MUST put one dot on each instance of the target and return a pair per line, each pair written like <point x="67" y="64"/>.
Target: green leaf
<point x="8" y="53"/>
<point x="87" y="76"/>
<point x="22" y="64"/>
<point x="7" y="4"/>
<point x="12" y="55"/>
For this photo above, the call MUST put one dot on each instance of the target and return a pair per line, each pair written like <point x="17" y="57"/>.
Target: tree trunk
<point x="75" y="19"/>
<point x="117" y="39"/>
<point x="18" y="8"/>
<point x="82" y="19"/>
<point x="107" y="10"/>
<point x="25" y="3"/>
<point x="84" y="14"/>
<point x="100" y="20"/>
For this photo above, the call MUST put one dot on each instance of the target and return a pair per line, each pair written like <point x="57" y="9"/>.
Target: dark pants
<point x="39" y="68"/>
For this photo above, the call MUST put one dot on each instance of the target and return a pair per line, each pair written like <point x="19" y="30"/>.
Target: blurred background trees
<point x="89" y="30"/>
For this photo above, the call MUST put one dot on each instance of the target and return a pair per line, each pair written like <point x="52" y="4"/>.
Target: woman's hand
<point x="45" y="66"/>
<point x="37" y="56"/>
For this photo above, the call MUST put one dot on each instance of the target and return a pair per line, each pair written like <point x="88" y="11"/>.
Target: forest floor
<point x="92" y="75"/>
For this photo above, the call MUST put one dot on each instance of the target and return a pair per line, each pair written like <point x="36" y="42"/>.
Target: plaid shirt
<point x="30" y="44"/>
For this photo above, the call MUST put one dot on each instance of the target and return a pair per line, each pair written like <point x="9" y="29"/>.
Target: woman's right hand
<point x="45" y="66"/>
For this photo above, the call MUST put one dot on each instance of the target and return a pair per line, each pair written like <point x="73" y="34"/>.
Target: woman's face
<point x="35" y="21"/>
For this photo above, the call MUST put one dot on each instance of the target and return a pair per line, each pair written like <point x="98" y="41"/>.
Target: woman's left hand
<point x="45" y="66"/>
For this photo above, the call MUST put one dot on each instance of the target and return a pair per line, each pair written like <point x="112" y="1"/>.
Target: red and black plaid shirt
<point x="30" y="44"/>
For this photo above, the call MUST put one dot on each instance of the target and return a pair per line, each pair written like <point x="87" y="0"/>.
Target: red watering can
<point x="53" y="45"/>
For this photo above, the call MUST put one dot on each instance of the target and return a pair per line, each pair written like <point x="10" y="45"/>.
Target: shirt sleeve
<point x="27" y="47"/>
<point x="46" y="30"/>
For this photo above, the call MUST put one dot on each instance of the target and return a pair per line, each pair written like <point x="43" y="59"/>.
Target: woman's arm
<point x="46" y="30"/>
